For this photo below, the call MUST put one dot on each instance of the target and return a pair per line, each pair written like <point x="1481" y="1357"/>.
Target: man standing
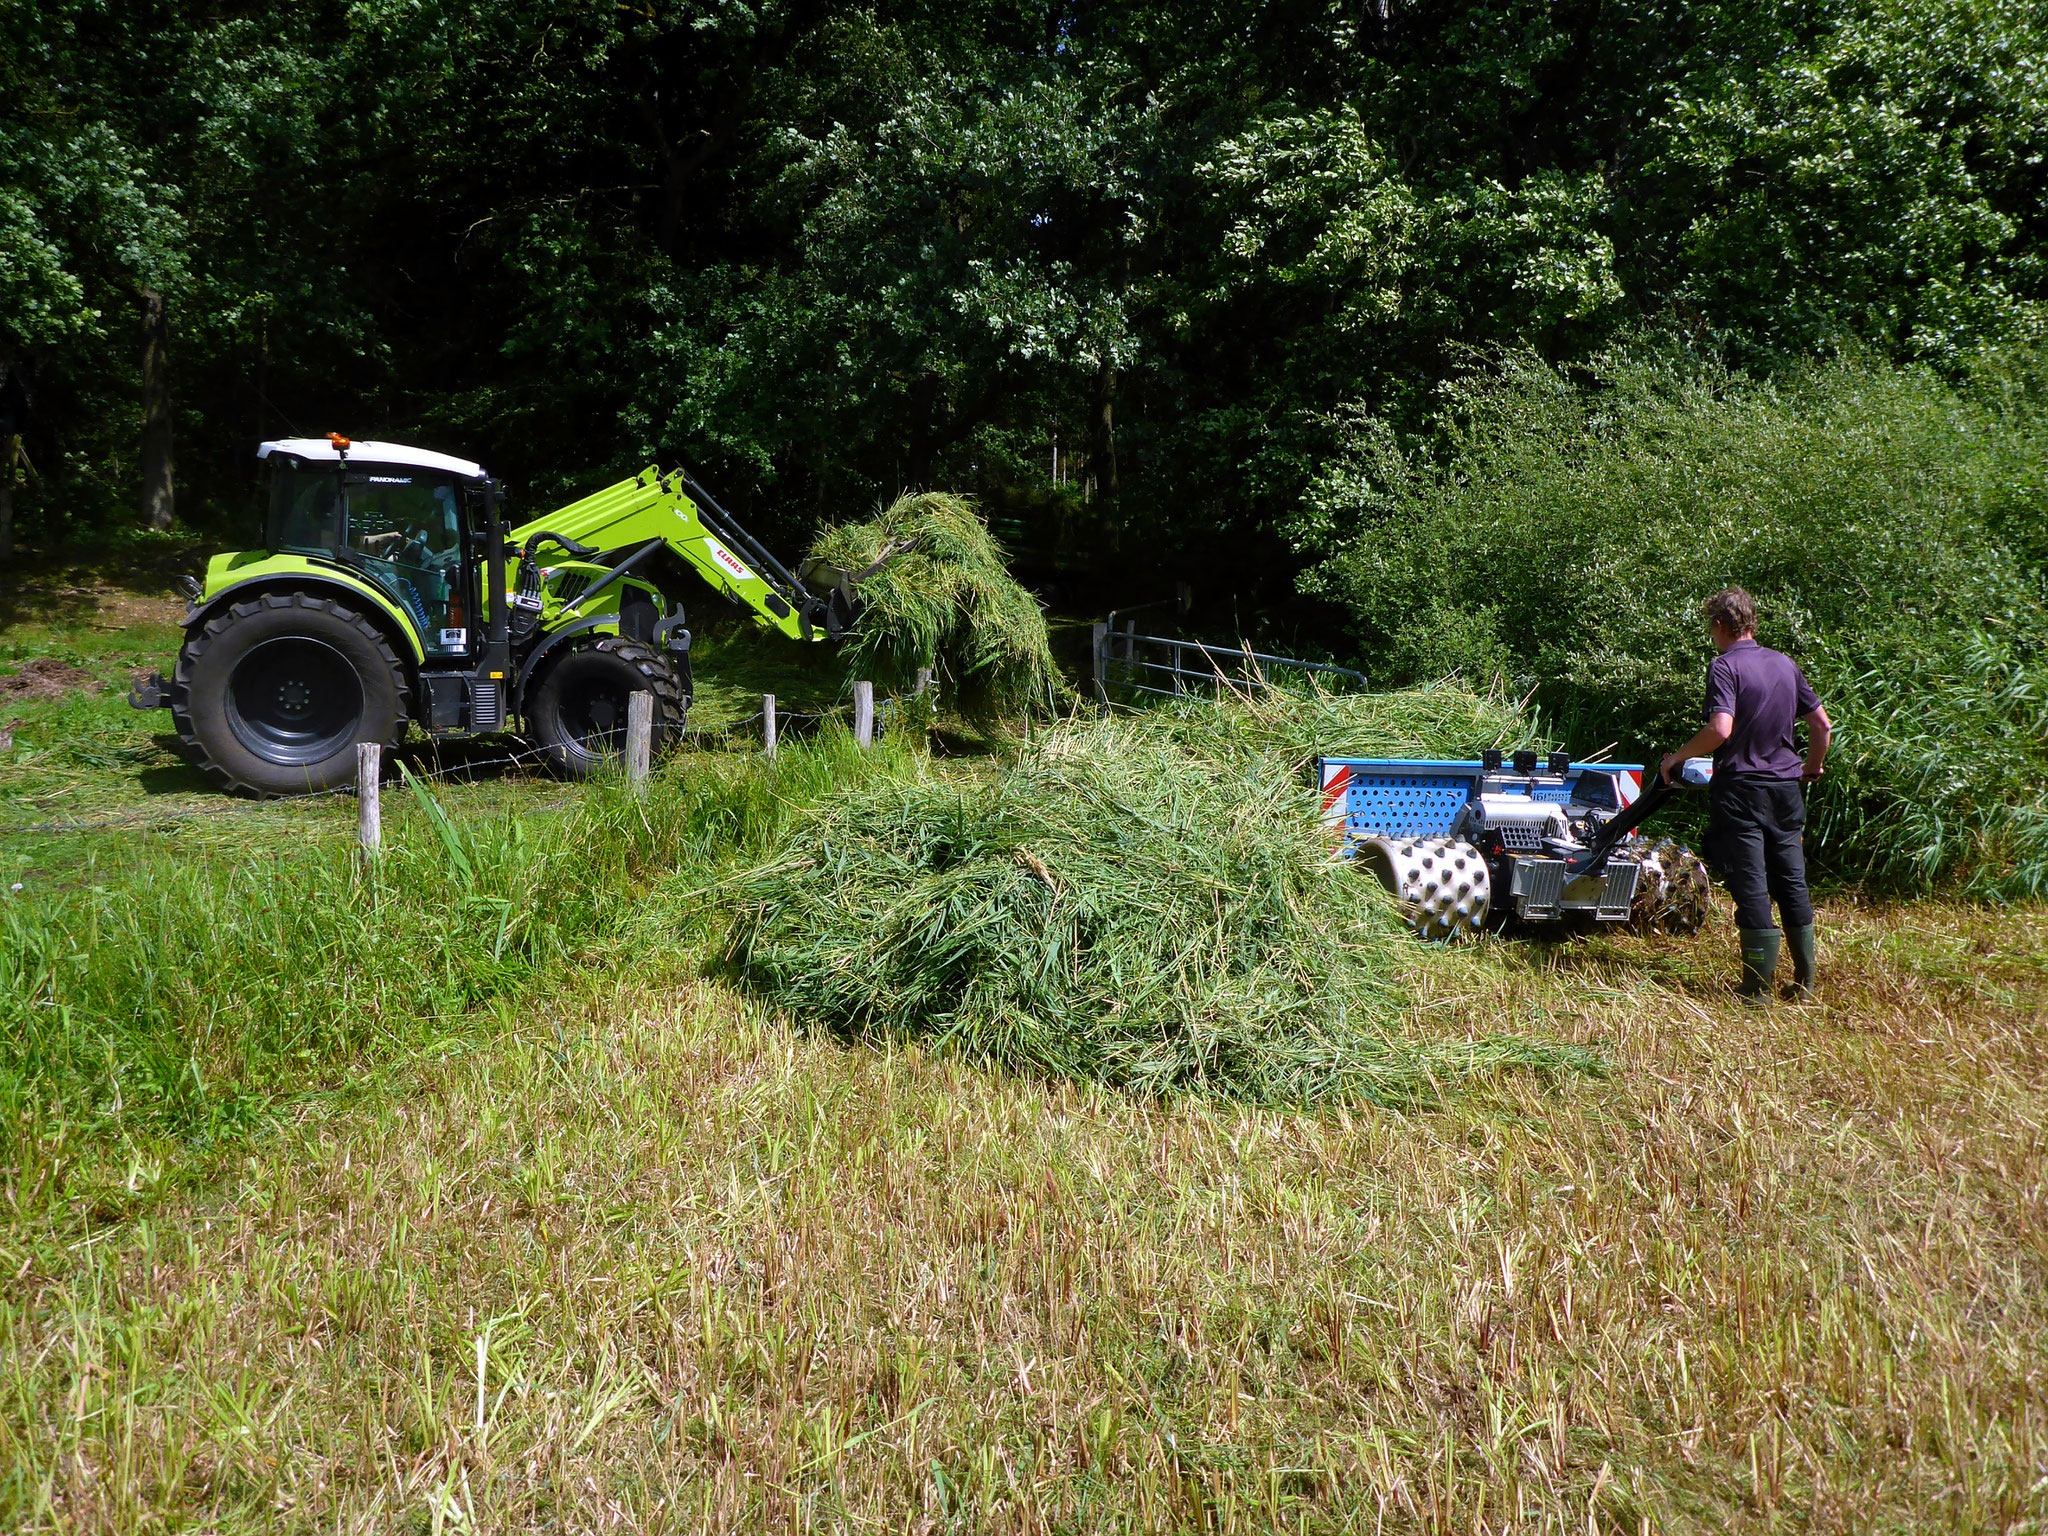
<point x="1759" y="794"/>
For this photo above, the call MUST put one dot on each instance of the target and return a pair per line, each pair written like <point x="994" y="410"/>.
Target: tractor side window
<point x="305" y="510"/>
<point x="405" y="528"/>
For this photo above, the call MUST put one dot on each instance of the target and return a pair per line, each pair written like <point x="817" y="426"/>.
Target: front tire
<point x="1673" y="893"/>
<point x="577" y="710"/>
<point x="271" y="694"/>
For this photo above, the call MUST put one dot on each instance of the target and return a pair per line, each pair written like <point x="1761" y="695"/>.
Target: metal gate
<point x="1128" y="663"/>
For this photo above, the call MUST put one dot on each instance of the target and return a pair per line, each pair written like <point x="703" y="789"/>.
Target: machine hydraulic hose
<point x="722" y="523"/>
<point x="1695" y="772"/>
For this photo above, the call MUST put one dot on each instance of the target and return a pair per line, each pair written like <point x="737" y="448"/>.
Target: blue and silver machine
<point x="1522" y="836"/>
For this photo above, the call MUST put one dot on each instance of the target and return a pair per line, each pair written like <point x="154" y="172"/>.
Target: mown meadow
<point x="492" y="1189"/>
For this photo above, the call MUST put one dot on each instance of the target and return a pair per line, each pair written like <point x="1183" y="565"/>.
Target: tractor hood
<point x="316" y="449"/>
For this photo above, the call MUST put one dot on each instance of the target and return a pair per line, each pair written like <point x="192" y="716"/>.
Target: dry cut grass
<point x="658" y="1262"/>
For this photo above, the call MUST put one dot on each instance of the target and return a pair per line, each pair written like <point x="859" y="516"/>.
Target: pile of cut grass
<point x="952" y="606"/>
<point x="1145" y="902"/>
<point x="1283" y="732"/>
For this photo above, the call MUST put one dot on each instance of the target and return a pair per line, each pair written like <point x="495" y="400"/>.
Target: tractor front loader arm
<point x="626" y="522"/>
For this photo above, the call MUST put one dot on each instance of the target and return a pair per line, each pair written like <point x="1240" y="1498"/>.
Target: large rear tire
<point x="577" y="709"/>
<point x="271" y="694"/>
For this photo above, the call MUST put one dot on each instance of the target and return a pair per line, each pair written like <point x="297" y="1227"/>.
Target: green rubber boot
<point x="1759" y="961"/>
<point x="1800" y="942"/>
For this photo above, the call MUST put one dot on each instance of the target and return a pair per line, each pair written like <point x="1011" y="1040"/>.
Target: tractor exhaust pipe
<point x="489" y="693"/>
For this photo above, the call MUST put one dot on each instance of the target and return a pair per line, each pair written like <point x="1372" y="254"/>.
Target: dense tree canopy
<point x="827" y="251"/>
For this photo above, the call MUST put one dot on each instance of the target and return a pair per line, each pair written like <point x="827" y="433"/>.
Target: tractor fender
<point x="609" y="612"/>
<point x="333" y="583"/>
<point x="568" y="631"/>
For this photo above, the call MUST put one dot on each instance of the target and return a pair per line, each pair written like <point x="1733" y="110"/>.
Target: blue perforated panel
<point x="1403" y="804"/>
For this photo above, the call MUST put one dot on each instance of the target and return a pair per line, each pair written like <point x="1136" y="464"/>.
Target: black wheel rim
<point x="595" y="719"/>
<point x="295" y="701"/>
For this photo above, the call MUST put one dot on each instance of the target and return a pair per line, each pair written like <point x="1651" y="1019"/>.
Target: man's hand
<point x="1819" y="732"/>
<point x="1719" y="727"/>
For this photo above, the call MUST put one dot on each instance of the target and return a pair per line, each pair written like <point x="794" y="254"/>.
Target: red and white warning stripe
<point x="1336" y="784"/>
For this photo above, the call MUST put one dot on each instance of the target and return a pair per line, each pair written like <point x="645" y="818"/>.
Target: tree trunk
<point x="10" y="455"/>
<point x="924" y="395"/>
<point x="262" y="372"/>
<point x="927" y="439"/>
<point x="158" y="498"/>
<point x="1102" y="436"/>
<point x="1102" y="451"/>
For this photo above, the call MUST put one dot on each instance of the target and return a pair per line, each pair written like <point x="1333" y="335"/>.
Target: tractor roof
<point x="317" y="448"/>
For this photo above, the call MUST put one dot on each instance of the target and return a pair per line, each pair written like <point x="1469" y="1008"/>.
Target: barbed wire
<point x="513" y="759"/>
<point x="239" y="807"/>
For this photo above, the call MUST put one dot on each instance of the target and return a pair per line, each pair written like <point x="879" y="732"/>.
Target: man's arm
<point x="1719" y="727"/>
<point x="1819" y="732"/>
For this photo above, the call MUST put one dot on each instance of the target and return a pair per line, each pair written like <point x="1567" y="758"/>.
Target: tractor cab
<point x="399" y="517"/>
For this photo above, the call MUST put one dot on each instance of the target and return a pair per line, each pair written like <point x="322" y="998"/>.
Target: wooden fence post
<point x="639" y="738"/>
<point x="369" y="771"/>
<point x="1098" y="644"/>
<point x="864" y="714"/>
<point x="768" y="725"/>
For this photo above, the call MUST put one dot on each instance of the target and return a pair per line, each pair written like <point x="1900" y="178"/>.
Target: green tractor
<point x="389" y="592"/>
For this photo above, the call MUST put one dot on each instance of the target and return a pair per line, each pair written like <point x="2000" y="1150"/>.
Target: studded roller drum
<point x="1440" y="882"/>
<point x="1671" y="896"/>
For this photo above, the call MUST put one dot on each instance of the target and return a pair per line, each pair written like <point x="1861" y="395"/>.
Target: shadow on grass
<point x="68" y="586"/>
<point x="951" y="741"/>
<point x="179" y="778"/>
<point x="1670" y="963"/>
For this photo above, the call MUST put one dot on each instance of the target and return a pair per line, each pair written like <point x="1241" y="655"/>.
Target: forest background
<point x="1475" y="336"/>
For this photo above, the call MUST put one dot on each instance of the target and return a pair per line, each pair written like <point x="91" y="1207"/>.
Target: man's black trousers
<point x="1754" y="844"/>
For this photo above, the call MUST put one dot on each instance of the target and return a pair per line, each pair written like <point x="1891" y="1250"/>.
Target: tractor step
<point x="150" y="692"/>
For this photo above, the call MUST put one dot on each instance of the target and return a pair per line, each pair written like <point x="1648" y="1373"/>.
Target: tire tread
<point x="671" y="703"/>
<point x="199" y="641"/>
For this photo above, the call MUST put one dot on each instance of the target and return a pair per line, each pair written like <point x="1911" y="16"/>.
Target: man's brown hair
<point x="1734" y="610"/>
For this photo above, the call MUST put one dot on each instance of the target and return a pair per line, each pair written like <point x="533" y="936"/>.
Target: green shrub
<point x="1564" y="532"/>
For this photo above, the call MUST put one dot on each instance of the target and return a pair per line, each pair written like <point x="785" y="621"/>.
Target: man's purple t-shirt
<point x="1765" y="692"/>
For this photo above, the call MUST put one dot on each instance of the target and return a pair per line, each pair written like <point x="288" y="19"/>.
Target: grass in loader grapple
<point x="952" y="606"/>
<point x="1146" y="902"/>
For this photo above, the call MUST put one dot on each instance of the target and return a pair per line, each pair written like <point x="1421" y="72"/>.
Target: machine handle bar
<point x="1659" y="790"/>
